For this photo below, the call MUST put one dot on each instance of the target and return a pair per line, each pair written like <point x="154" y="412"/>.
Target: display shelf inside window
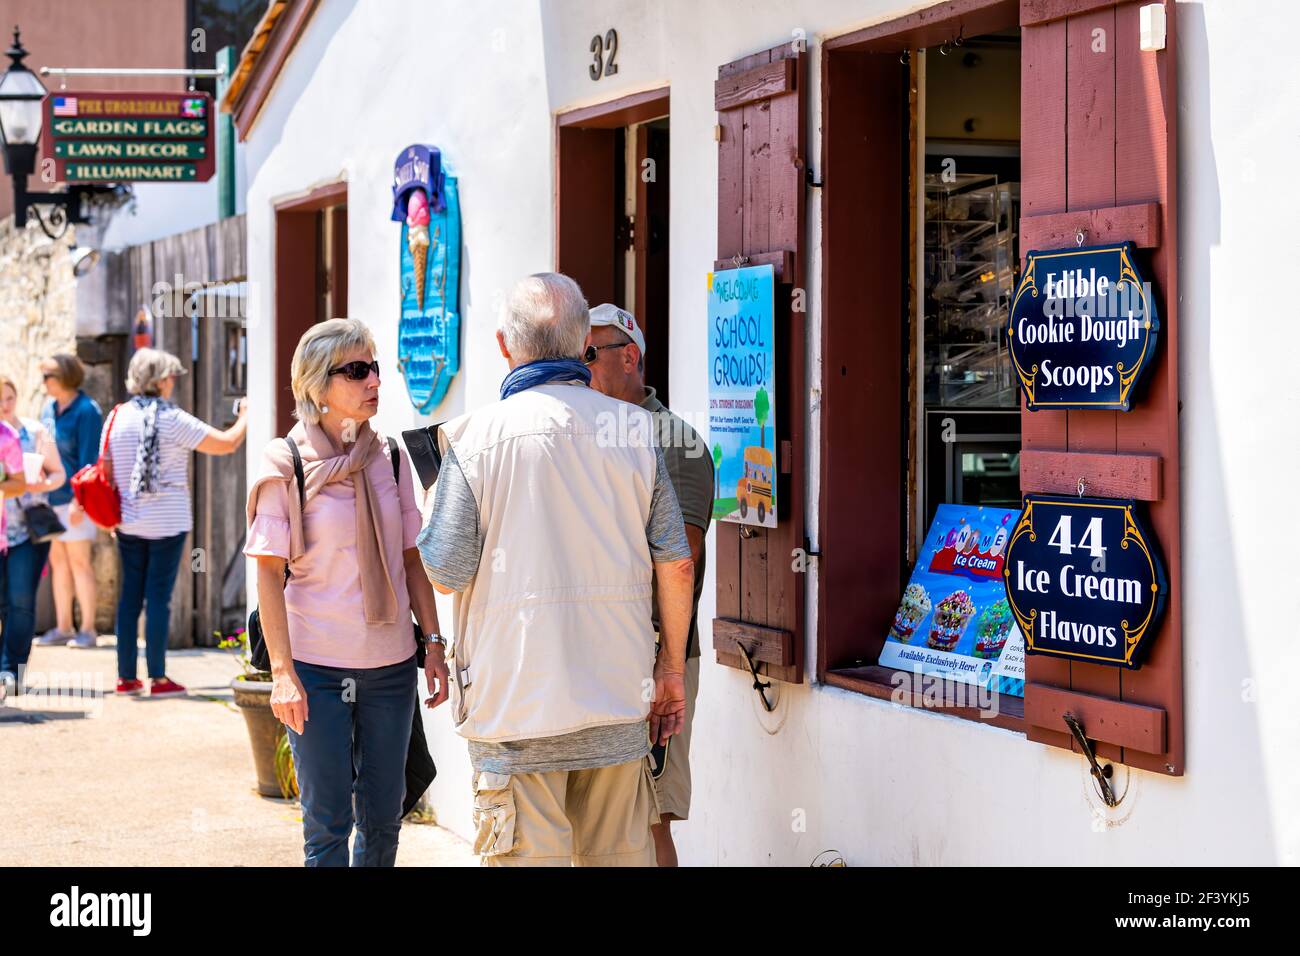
<point x="970" y="265"/>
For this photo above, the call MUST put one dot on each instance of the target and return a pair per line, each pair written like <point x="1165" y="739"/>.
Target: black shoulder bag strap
<point x="302" y="491"/>
<point x="397" y="462"/>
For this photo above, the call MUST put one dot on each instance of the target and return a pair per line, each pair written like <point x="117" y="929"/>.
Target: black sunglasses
<point x="592" y="351"/>
<point x="357" y="371"/>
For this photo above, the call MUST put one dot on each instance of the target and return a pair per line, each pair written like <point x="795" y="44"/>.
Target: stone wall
<point x="37" y="306"/>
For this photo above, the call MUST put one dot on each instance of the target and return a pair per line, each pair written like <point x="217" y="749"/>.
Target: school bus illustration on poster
<point x="754" y="491"/>
<point x="742" y="386"/>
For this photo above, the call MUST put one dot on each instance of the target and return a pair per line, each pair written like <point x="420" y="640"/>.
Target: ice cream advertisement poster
<point x="426" y="202"/>
<point x="742" y="395"/>
<point x="954" y="620"/>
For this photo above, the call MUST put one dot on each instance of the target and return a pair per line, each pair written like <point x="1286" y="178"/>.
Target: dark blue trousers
<point x="351" y="760"/>
<point x="20" y="574"/>
<point x="149" y="567"/>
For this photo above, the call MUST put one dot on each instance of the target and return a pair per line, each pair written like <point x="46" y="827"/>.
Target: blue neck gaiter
<point x="531" y="374"/>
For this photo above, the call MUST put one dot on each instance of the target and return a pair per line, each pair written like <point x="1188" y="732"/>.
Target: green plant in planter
<point x="285" y="775"/>
<point x="236" y="642"/>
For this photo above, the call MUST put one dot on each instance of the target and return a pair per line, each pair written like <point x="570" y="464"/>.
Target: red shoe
<point x="129" y="686"/>
<point x="165" y="687"/>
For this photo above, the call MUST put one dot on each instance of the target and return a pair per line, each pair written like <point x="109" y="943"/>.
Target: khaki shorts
<point x="673" y="786"/>
<point x="598" y="817"/>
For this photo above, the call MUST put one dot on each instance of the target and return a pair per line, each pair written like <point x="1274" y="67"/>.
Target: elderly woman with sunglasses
<point x="337" y="622"/>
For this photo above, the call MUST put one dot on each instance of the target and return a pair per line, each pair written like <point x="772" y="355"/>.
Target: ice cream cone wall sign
<point x="427" y="204"/>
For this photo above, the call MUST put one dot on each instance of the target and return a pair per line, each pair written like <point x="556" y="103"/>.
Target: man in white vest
<point x="552" y="517"/>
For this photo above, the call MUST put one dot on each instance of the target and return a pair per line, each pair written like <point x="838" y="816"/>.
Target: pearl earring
<point x="324" y="409"/>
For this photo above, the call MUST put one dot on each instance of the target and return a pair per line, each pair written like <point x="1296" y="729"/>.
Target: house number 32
<point x="602" y="54"/>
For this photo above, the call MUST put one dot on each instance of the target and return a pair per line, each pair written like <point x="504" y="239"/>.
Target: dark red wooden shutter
<point x="761" y="103"/>
<point x="1098" y="152"/>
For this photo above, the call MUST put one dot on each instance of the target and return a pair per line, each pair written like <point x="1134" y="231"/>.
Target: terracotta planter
<point x="264" y="730"/>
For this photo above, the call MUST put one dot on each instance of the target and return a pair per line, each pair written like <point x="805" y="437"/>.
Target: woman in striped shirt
<point x="149" y="443"/>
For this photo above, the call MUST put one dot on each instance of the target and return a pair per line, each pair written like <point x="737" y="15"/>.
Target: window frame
<point x="845" y="659"/>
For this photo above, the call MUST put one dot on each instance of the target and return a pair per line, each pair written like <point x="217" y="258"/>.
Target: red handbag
<point x="93" y="486"/>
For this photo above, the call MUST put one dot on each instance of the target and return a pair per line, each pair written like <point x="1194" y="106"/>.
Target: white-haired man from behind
<point x="551" y="530"/>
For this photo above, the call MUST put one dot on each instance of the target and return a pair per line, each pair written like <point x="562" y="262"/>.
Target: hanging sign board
<point x="98" y="137"/>
<point x="1083" y="328"/>
<point x="954" y="621"/>
<point x="426" y="201"/>
<point x="742" y="417"/>
<point x="1084" y="579"/>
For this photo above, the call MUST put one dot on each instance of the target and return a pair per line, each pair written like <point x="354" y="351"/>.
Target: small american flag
<point x="65" y="106"/>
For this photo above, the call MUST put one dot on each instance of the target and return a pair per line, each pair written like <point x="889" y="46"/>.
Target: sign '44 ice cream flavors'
<point x="1084" y="579"/>
<point x="955" y="621"/>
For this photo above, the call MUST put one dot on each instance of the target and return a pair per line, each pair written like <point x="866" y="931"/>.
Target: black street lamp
<point x="21" y="115"/>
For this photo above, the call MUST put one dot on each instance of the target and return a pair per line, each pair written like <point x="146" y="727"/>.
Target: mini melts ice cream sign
<point x="1083" y="328"/>
<point x="954" y="620"/>
<point x="742" y="395"/>
<point x="426" y="201"/>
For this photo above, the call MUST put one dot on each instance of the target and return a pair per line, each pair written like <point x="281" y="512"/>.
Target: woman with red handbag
<point x="147" y="446"/>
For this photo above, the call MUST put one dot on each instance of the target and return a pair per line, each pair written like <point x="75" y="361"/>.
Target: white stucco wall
<point x="878" y="783"/>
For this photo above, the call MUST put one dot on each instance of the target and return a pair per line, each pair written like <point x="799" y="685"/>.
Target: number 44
<point x="1091" y="541"/>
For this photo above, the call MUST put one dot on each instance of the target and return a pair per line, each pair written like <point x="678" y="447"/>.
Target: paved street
<point x="90" y="780"/>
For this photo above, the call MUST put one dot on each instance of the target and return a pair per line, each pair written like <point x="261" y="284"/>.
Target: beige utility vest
<point x="553" y="634"/>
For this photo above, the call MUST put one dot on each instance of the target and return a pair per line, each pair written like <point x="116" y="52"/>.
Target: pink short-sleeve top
<point x="327" y="625"/>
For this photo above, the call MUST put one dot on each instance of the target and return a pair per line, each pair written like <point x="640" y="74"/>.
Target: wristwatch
<point x="435" y="638"/>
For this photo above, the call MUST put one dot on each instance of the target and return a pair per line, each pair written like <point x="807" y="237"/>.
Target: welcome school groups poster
<point x="742" y="392"/>
<point x="954" y="621"/>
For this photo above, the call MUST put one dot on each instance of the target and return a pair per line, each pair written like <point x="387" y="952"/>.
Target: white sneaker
<point x="84" y="639"/>
<point x="53" y="637"/>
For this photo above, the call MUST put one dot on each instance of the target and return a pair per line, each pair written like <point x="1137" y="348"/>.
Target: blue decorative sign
<point x="1083" y="328"/>
<point x="426" y="200"/>
<point x="742" y="393"/>
<point x="1084" y="579"/>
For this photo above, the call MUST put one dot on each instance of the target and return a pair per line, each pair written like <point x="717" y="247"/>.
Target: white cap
<point x="607" y="314"/>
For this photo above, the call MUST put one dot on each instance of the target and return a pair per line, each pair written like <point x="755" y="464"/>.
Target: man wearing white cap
<point x="615" y="351"/>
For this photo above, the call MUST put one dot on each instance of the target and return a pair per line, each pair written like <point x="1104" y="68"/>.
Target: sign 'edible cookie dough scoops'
<point x="129" y="137"/>
<point x="1083" y="328"/>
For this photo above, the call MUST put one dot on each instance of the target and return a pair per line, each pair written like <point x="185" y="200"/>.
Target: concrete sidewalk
<point x="96" y="781"/>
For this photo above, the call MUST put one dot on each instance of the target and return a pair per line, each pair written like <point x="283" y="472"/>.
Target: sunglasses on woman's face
<point x="357" y="371"/>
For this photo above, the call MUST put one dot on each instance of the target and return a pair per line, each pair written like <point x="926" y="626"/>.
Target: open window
<point x="921" y="407"/>
<point x="944" y="163"/>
